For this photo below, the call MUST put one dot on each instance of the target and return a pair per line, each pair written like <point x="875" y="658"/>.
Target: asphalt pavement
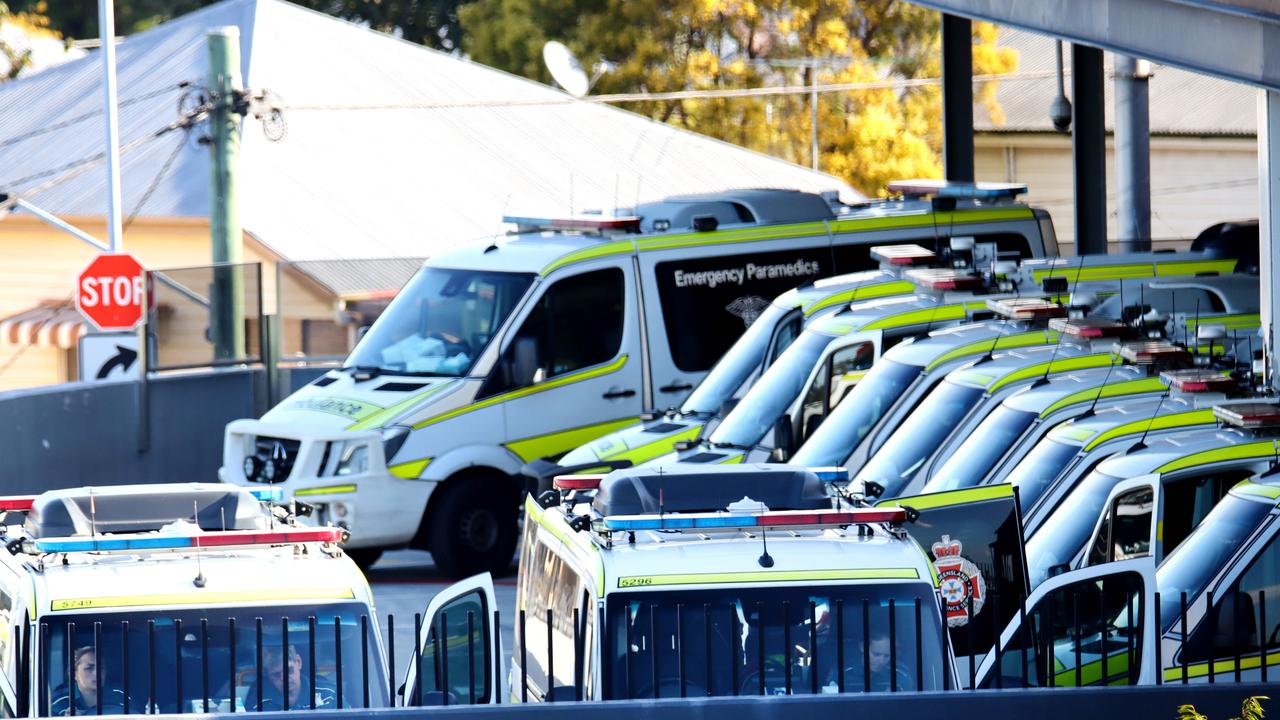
<point x="404" y="581"/>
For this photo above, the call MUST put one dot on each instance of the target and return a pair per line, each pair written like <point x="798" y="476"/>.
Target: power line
<point x="89" y="115"/>
<point x="155" y="182"/>
<point x="902" y="83"/>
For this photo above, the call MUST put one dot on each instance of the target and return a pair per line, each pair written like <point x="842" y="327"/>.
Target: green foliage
<point x="1250" y="709"/>
<point x="867" y="137"/>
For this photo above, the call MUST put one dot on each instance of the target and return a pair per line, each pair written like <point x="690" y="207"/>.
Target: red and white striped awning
<point x="52" y="323"/>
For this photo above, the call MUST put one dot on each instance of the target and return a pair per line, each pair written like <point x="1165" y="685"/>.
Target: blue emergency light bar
<point x="268" y="494"/>
<point x="958" y="190"/>
<point x="178" y="542"/>
<point x="831" y="474"/>
<point x="778" y="518"/>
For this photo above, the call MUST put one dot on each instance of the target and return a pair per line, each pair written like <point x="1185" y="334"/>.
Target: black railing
<point x="228" y="664"/>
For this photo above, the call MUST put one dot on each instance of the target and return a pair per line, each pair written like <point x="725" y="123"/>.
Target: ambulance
<point x="179" y="598"/>
<point x="571" y="328"/>
<point x="1207" y="613"/>
<point x="710" y="581"/>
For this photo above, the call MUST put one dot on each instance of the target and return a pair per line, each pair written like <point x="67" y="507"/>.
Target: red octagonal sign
<point x="109" y="292"/>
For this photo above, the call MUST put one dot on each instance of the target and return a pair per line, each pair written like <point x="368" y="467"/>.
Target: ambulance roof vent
<point x="78" y="512"/>
<point x="638" y="491"/>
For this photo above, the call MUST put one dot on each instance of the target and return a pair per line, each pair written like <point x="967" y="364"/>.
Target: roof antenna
<point x="93" y="516"/>
<point x="1195" y="352"/>
<point x="199" y="580"/>
<point x="1142" y="441"/>
<point x="1275" y="461"/>
<point x="1054" y="355"/>
<point x="1142" y="310"/>
<point x="661" y="484"/>
<point x="1098" y="395"/>
<point x="765" y="560"/>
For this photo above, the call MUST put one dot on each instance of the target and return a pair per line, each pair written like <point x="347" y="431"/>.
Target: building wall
<point x="1195" y="182"/>
<point x="42" y="263"/>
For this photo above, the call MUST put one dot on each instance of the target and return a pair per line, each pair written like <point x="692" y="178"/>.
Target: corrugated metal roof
<point x="356" y="183"/>
<point x="355" y="278"/>
<point x="1181" y="102"/>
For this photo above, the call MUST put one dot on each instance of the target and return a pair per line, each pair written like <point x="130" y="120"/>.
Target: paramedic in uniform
<point x="300" y="691"/>
<point x="85" y="668"/>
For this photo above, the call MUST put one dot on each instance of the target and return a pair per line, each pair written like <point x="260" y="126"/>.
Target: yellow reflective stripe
<point x="918" y="317"/>
<point x="1222" y="454"/>
<point x="729" y="578"/>
<point x="732" y="460"/>
<point x="1245" y="487"/>
<point x="948" y="498"/>
<point x="930" y="219"/>
<point x="1174" y="420"/>
<point x="553" y="383"/>
<point x="1231" y="322"/>
<point x="326" y="490"/>
<point x="1201" y="669"/>
<point x="540" y="446"/>
<point x="389" y="413"/>
<point x="203" y="598"/>
<point x="1083" y="362"/>
<point x="410" y="470"/>
<point x="864" y="292"/>
<point x="1065" y="431"/>
<point x="591" y="253"/>
<point x="1004" y="342"/>
<point x="754" y="234"/>
<point x="1076" y="273"/>
<point x="586" y="551"/>
<point x="854" y="376"/>
<point x="1129" y="387"/>
<point x="661" y="446"/>
<point x="1091" y="672"/>
<point x="1194" y="267"/>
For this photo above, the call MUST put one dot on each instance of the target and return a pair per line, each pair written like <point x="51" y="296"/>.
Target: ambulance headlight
<point x="354" y="459"/>
<point x="269" y="469"/>
<point x="251" y="467"/>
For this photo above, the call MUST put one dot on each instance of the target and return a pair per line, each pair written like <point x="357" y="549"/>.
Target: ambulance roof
<point x="1187" y="449"/>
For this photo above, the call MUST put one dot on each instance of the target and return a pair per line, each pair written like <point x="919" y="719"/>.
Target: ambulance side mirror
<point x="783" y="437"/>
<point x="523" y="362"/>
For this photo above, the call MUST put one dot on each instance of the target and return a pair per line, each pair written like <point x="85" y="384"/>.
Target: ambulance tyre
<point x="471" y="525"/>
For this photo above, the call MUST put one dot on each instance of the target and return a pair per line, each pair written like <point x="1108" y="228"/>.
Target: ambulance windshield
<point x="1068" y="527"/>
<point x="772" y="641"/>
<point x="778" y="388"/>
<point x="170" y="661"/>
<point x="860" y="411"/>
<point x="1036" y="472"/>
<point x="741" y="361"/>
<point x="440" y="322"/>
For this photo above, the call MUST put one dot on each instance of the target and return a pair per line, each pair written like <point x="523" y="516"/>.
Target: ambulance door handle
<point x="618" y="394"/>
<point x="675" y="386"/>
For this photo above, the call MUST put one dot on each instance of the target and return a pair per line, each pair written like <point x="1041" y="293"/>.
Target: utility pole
<point x="107" y="33"/>
<point x="1133" y="153"/>
<point x="226" y="321"/>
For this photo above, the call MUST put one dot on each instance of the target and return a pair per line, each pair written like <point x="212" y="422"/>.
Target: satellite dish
<point x="565" y="68"/>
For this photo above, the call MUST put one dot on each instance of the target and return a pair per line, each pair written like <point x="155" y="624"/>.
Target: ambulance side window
<point x="8" y="639"/>
<point x="1233" y="626"/>
<point x="1126" y="528"/>
<point x="1188" y="500"/>
<point x="836" y="378"/>
<point x="550" y="593"/>
<point x="577" y="323"/>
<point x="707" y="302"/>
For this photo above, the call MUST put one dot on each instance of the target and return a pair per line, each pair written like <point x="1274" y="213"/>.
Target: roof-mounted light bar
<point x="1198" y="381"/>
<point x="1249" y="415"/>
<point x="1026" y="308"/>
<point x="1152" y="353"/>
<point x="959" y="190"/>
<point x="578" y="223"/>
<point x="230" y="538"/>
<point x="900" y="255"/>
<point x="17" y="503"/>
<point x="1089" y="328"/>
<point x="268" y="494"/>
<point x="577" y="482"/>
<point x="771" y="519"/>
<point x="944" y="279"/>
<point x="831" y="474"/>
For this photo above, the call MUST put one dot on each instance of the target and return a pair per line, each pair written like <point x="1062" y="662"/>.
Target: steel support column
<point x="1089" y="150"/>
<point x="957" y="98"/>
<point x="1133" y="154"/>
<point x="1269" y="219"/>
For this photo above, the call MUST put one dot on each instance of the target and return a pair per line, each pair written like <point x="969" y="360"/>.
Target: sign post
<point x="109" y="292"/>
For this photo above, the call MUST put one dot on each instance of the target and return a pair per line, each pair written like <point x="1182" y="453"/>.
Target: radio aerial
<point x="565" y="68"/>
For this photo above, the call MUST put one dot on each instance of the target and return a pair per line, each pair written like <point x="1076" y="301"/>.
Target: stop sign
<point x="109" y="292"/>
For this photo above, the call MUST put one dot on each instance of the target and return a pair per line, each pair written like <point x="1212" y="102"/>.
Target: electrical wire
<point x="89" y="115"/>
<point x="155" y="183"/>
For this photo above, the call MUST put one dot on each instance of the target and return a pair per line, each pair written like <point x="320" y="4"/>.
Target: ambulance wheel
<point x="364" y="558"/>
<point x="473" y="528"/>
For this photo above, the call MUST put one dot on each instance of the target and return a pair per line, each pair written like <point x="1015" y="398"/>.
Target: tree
<point x="866" y="136"/>
<point x="17" y="30"/>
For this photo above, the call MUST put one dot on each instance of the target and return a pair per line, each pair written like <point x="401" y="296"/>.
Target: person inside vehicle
<point x="83" y="690"/>
<point x="281" y="676"/>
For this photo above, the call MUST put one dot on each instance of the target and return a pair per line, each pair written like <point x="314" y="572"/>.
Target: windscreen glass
<point x="855" y="417"/>
<point x="440" y="322"/>
<point x="772" y="641"/>
<point x="1039" y="468"/>
<point x="769" y="398"/>
<point x="237" y="659"/>
<point x="984" y="447"/>
<point x="916" y="439"/>
<point x="739" y="363"/>
<point x="1068" y="527"/>
<point x="1205" y="552"/>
